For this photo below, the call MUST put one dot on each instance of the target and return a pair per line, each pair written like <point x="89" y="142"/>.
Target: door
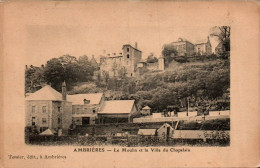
<point x="168" y="132"/>
<point x="85" y="120"/>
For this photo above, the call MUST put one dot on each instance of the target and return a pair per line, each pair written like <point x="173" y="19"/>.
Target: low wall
<point x="217" y="113"/>
<point x="170" y="119"/>
<point x="161" y="119"/>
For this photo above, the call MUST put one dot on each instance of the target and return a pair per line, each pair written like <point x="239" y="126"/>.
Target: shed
<point x="146" y="110"/>
<point x="165" y="131"/>
<point x="118" y="111"/>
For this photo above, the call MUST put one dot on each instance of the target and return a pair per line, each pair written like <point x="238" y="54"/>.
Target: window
<point x="128" y="49"/>
<point x="33" y="121"/>
<point x="59" y="120"/>
<point x="44" y="121"/>
<point x="33" y="109"/>
<point x="58" y="109"/>
<point x="44" y="109"/>
<point x="94" y="111"/>
<point x="127" y="56"/>
<point x="78" y="110"/>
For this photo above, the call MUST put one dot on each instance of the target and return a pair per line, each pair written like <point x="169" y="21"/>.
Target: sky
<point x="93" y="28"/>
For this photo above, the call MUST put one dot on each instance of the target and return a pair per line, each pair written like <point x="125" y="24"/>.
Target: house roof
<point x="131" y="46"/>
<point x="78" y="99"/>
<point x="45" y="93"/>
<point x="117" y="107"/>
<point x="181" y="40"/>
<point x="48" y="132"/>
<point x="146" y="132"/>
<point x="146" y="108"/>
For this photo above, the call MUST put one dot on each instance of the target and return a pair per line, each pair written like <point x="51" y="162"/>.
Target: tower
<point x="161" y="63"/>
<point x="64" y="94"/>
<point x="131" y="56"/>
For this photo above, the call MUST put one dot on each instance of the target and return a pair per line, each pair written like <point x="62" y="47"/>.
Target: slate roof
<point x="117" y="107"/>
<point x="146" y="132"/>
<point x="78" y="99"/>
<point x="45" y="93"/>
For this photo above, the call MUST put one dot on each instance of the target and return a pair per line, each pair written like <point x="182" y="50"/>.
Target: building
<point x="186" y="48"/>
<point x="146" y="110"/>
<point x="124" y="62"/>
<point x="147" y="132"/>
<point x="165" y="131"/>
<point x="111" y="65"/>
<point x="85" y="107"/>
<point x="118" y="111"/>
<point x="131" y="56"/>
<point x="49" y="109"/>
<point x="183" y="47"/>
<point x="203" y="47"/>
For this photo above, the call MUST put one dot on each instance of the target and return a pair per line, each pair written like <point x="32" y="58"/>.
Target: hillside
<point x="201" y="82"/>
<point x="205" y="84"/>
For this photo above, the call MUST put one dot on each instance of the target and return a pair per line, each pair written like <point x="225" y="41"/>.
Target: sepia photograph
<point x="173" y="92"/>
<point x="129" y="84"/>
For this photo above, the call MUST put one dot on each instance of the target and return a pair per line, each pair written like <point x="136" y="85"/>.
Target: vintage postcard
<point x="130" y="84"/>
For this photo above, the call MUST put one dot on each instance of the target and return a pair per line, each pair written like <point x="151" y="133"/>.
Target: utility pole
<point x="188" y="104"/>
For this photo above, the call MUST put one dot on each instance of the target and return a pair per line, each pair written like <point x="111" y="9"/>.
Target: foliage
<point x="222" y="33"/>
<point x="151" y="58"/>
<point x="169" y="52"/>
<point x="33" y="78"/>
<point x="54" y="73"/>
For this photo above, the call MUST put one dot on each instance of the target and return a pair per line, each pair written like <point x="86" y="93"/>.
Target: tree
<point x="83" y="59"/>
<point x="33" y="78"/>
<point x="86" y="69"/>
<point x="151" y="58"/>
<point x="169" y="52"/>
<point x="114" y="68"/>
<point x="222" y="33"/>
<point x="54" y="73"/>
<point x="122" y="72"/>
<point x="66" y="59"/>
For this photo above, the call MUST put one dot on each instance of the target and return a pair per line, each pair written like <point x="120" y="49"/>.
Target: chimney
<point x="136" y="45"/>
<point x="64" y="94"/>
